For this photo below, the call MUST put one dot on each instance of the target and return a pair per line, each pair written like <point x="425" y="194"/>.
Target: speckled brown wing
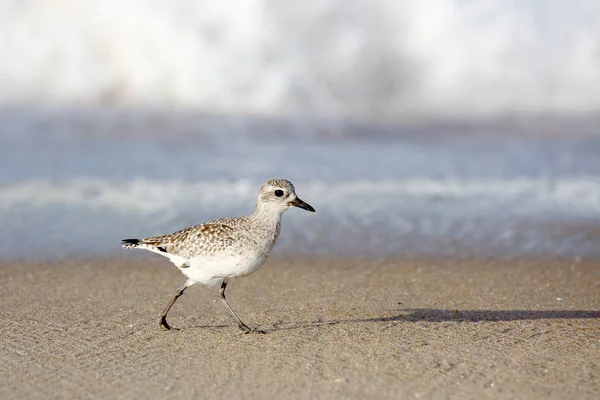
<point x="198" y="240"/>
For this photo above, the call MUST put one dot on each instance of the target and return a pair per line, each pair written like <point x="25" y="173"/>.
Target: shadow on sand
<point x="436" y="315"/>
<point x="442" y="315"/>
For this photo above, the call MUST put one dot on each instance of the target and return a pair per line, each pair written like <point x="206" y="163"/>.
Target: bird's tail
<point x="130" y="243"/>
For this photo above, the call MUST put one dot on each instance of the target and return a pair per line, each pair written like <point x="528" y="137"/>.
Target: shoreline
<point x="335" y="329"/>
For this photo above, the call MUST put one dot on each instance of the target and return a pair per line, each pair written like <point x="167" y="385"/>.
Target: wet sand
<point x="351" y="329"/>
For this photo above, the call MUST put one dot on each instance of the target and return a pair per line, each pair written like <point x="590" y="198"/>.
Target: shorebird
<point x="214" y="252"/>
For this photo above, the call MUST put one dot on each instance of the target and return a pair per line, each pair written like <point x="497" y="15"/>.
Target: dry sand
<point x="355" y="329"/>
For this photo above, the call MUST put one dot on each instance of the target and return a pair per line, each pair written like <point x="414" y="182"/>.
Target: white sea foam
<point x="330" y="57"/>
<point x="145" y="196"/>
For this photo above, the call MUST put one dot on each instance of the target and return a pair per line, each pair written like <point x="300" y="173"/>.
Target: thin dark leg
<point x="163" y="317"/>
<point x="240" y="324"/>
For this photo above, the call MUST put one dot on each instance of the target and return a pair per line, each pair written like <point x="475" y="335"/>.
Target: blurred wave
<point x="355" y="57"/>
<point x="146" y="197"/>
<point x="417" y="217"/>
<point x="76" y="183"/>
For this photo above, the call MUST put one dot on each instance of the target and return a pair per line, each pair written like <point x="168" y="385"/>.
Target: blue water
<point x="74" y="182"/>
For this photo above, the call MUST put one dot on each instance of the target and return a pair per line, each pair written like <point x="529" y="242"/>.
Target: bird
<point x="216" y="251"/>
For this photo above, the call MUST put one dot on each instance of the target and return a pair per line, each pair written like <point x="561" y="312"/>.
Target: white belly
<point x="211" y="270"/>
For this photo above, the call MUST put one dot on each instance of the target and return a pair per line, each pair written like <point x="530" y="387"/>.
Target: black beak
<point x="301" y="204"/>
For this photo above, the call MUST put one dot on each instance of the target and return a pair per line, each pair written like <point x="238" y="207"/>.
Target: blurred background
<point x="416" y="128"/>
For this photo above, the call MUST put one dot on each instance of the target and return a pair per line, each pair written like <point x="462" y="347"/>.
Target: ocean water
<point x="74" y="182"/>
<point x="415" y="127"/>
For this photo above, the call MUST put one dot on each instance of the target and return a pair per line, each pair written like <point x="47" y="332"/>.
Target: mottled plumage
<point x="213" y="252"/>
<point x="197" y="240"/>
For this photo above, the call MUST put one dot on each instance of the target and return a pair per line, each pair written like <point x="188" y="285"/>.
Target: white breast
<point x="210" y="270"/>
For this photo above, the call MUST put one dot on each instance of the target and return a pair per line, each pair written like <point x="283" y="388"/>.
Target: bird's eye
<point x="279" y="193"/>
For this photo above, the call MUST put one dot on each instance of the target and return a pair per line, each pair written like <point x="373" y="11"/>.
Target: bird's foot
<point x="245" y="329"/>
<point x="163" y="323"/>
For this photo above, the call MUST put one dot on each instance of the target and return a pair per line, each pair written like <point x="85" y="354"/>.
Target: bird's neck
<point x="269" y="217"/>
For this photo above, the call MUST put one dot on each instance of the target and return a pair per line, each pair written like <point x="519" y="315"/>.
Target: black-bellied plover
<point x="216" y="251"/>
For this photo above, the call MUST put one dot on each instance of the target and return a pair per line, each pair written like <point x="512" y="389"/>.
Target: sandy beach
<point x="335" y="329"/>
